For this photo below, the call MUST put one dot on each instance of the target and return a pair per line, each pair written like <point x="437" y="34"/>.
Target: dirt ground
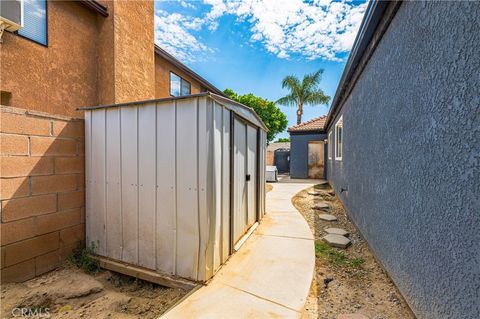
<point x="346" y="281"/>
<point x="268" y="187"/>
<point x="68" y="292"/>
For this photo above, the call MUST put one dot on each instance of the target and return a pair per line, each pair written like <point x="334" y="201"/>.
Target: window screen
<point x="35" y="21"/>
<point x="175" y="84"/>
<point x="185" y="87"/>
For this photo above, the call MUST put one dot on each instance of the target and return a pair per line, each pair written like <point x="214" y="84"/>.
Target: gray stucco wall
<point x="411" y="158"/>
<point x="299" y="153"/>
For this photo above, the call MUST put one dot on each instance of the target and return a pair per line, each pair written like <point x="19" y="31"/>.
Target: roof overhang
<point x="170" y="58"/>
<point x="95" y="6"/>
<point x="306" y="132"/>
<point x="375" y="22"/>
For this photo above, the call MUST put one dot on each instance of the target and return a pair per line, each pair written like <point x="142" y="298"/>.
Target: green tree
<point x="306" y="92"/>
<point x="283" y="140"/>
<point x="275" y="120"/>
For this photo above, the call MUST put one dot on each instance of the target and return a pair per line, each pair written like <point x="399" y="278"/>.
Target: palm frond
<point x="292" y="83"/>
<point x="311" y="81"/>
<point x="288" y="100"/>
<point x="317" y="97"/>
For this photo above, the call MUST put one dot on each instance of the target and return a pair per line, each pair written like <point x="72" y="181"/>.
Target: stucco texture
<point x="411" y="156"/>
<point x="134" y="51"/>
<point x="61" y="77"/>
<point x="299" y="153"/>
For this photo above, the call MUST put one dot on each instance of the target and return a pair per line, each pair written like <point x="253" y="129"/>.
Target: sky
<point x="251" y="45"/>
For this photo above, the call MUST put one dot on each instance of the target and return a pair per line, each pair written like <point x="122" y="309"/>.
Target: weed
<point x="357" y="262"/>
<point x="82" y="257"/>
<point x="336" y="258"/>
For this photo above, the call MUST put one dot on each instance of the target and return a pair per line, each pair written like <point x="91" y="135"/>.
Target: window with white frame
<point x="329" y="150"/>
<point x="339" y="139"/>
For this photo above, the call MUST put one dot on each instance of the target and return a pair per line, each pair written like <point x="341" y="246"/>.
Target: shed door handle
<point x="247" y="177"/>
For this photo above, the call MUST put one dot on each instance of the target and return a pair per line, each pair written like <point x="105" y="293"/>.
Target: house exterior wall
<point x="410" y="156"/>
<point x="299" y="152"/>
<point x="134" y="51"/>
<point x="61" y="77"/>
<point x="89" y="60"/>
<point x="42" y="191"/>
<point x="162" y="78"/>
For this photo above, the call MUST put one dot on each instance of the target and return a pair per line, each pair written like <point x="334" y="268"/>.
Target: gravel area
<point x="346" y="281"/>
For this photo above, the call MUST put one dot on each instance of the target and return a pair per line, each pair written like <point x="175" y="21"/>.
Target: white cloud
<point x="173" y="33"/>
<point x="187" y="4"/>
<point x="317" y="29"/>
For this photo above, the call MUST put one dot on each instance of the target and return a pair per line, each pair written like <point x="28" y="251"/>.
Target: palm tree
<point x="303" y="93"/>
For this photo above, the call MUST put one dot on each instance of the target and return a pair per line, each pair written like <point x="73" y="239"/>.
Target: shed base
<point x="146" y="274"/>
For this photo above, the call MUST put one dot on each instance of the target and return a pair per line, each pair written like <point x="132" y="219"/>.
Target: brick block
<point x="68" y="129"/>
<point x="19" y="208"/>
<point x="69" y="165"/>
<point x="13" y="144"/>
<point x="23" y="124"/>
<point x="25" y="166"/>
<point x="53" y="184"/>
<point x="81" y="181"/>
<point x="31" y="248"/>
<point x="14" y="187"/>
<point x="20" y="272"/>
<point x="71" y="200"/>
<point x="49" y="146"/>
<point x="47" y="262"/>
<point x="72" y="235"/>
<point x="81" y="148"/>
<point x="66" y="251"/>
<point x="17" y="230"/>
<point x="56" y="221"/>
<point x="2" y="257"/>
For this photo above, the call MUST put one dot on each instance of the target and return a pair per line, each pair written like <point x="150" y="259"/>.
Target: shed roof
<point x="278" y="145"/>
<point x="242" y="110"/>
<point x="316" y="124"/>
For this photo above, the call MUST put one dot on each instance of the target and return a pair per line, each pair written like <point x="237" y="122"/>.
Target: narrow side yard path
<point x="270" y="276"/>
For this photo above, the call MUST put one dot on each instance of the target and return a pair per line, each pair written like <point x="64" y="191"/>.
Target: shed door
<point x="244" y="178"/>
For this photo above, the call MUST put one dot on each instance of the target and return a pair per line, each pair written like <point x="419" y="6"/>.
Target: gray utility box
<point x="271" y="174"/>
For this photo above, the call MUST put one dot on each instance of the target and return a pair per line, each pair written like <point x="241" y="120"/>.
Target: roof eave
<point x="96" y="7"/>
<point x="378" y="13"/>
<point x="170" y="58"/>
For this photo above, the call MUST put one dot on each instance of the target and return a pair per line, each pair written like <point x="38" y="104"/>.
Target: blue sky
<point x="251" y="45"/>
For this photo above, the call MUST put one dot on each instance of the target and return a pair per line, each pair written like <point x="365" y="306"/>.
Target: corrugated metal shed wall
<point x="158" y="184"/>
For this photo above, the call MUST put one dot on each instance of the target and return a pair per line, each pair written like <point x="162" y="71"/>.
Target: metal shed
<point x="173" y="185"/>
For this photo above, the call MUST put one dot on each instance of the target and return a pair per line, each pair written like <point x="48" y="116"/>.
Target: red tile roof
<point x="315" y="124"/>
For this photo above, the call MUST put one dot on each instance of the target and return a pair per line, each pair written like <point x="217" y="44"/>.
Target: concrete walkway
<point x="269" y="277"/>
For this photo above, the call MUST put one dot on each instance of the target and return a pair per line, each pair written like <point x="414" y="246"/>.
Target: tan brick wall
<point x="270" y="158"/>
<point x="42" y="191"/>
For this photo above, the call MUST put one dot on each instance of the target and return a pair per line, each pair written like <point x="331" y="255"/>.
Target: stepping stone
<point x="321" y="205"/>
<point x="314" y="193"/>
<point x="337" y="241"/>
<point x="337" y="231"/>
<point x="327" y="217"/>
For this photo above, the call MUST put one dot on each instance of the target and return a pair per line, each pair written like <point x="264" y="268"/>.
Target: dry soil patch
<point x="70" y="293"/>
<point x="346" y="281"/>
